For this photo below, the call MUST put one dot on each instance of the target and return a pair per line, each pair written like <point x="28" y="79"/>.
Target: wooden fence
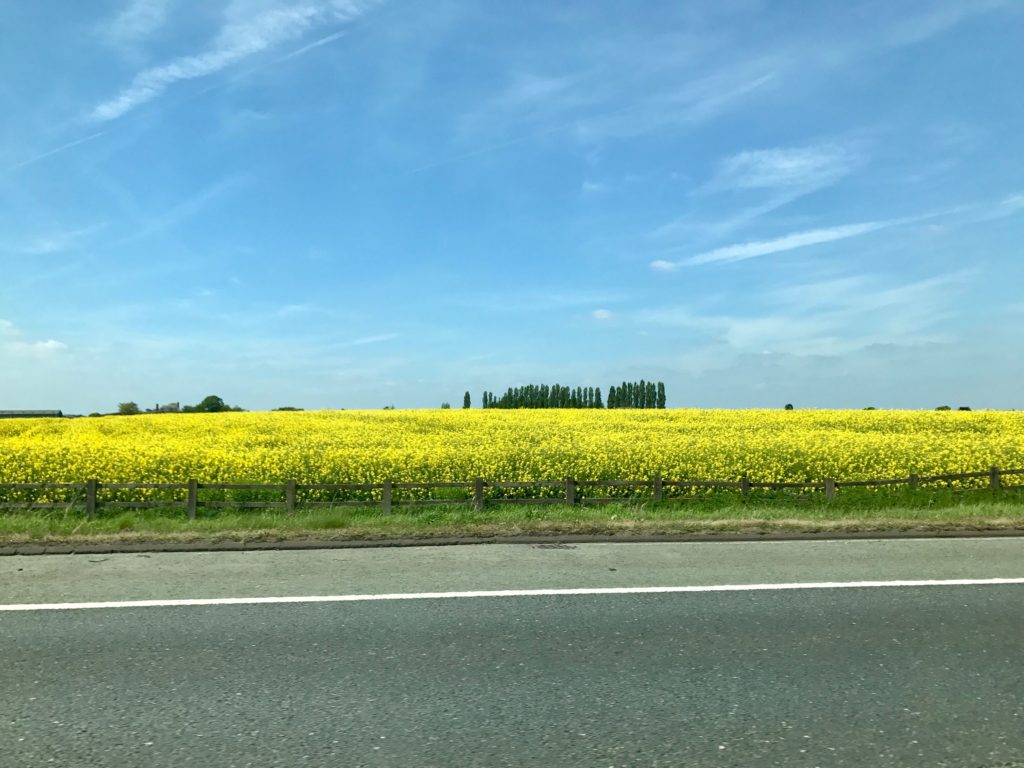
<point x="571" y="491"/>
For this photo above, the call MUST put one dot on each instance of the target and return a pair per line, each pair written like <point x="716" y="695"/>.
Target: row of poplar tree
<point x="637" y="394"/>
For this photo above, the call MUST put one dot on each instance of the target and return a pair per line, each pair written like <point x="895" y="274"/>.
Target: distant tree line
<point x="209" y="404"/>
<point x="640" y="394"/>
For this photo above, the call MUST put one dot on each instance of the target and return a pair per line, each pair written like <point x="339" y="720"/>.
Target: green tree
<point x="128" y="409"/>
<point x="661" y="394"/>
<point x="597" y="398"/>
<point x="446" y="406"/>
<point x="209" y="404"/>
<point x="466" y="402"/>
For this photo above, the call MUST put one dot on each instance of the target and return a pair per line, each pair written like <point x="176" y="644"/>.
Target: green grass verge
<point x="849" y="512"/>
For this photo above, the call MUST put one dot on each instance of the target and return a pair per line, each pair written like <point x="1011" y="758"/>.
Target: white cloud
<point x="593" y="187"/>
<point x="784" y="174"/>
<point x="243" y="34"/>
<point x="138" y="20"/>
<point x="602" y="314"/>
<point x="11" y="341"/>
<point x="56" y="150"/>
<point x="692" y="103"/>
<point x="533" y="301"/>
<point x="938" y="18"/>
<point x="326" y="40"/>
<point x="37" y="347"/>
<point x="805" y="167"/>
<point x="1011" y="205"/>
<point x="751" y="250"/>
<point x="660" y="265"/>
<point x="829" y="317"/>
<point x="58" y="241"/>
<point x="375" y="339"/>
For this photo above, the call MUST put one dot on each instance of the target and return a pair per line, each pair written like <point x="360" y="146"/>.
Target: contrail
<point x="55" y="151"/>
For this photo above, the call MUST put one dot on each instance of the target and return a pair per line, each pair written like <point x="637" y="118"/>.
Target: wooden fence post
<point x="385" y="498"/>
<point x="914" y="482"/>
<point x="830" y="488"/>
<point x="90" y="497"/>
<point x="745" y="485"/>
<point x="193" y="498"/>
<point x="658" y="490"/>
<point x="995" y="480"/>
<point x="289" y="497"/>
<point x="478" y="494"/>
<point x="570" y="491"/>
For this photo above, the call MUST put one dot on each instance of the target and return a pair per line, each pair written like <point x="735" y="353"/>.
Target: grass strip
<point x="937" y="511"/>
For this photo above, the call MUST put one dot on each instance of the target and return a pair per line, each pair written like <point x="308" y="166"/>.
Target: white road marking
<point x="505" y="593"/>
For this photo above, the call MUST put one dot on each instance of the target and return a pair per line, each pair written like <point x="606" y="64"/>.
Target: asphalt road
<point x="897" y="676"/>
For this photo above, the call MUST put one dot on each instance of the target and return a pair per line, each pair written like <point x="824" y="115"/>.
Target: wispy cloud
<point x="302" y="50"/>
<point x="805" y="167"/>
<point x="597" y="123"/>
<point x="12" y="341"/>
<point x="828" y="317"/>
<point x="534" y="301"/>
<point x="773" y="178"/>
<point x="137" y="20"/>
<point x="375" y="339"/>
<point x="187" y="207"/>
<point x="244" y="34"/>
<point x="938" y="18"/>
<point x="751" y="250"/>
<point x="1008" y="206"/>
<point x="962" y="214"/>
<point x="58" y="241"/>
<point x="55" y="151"/>
<point x="48" y="347"/>
<point x="694" y="102"/>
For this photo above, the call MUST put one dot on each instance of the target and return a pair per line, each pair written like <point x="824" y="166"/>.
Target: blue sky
<point x="339" y="203"/>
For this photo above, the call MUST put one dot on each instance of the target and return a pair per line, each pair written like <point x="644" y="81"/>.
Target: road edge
<point x="258" y="545"/>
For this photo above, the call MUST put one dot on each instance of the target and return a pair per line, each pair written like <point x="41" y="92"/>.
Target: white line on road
<point x="506" y="593"/>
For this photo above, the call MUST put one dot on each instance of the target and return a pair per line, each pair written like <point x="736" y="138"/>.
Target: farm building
<point x="31" y="414"/>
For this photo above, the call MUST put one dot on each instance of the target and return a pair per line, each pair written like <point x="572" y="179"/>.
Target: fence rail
<point x="573" y="491"/>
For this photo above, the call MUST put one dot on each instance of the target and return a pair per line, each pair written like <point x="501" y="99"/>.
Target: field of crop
<point x="455" y="445"/>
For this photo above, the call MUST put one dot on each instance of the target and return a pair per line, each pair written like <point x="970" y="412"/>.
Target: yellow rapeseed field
<point x="503" y="445"/>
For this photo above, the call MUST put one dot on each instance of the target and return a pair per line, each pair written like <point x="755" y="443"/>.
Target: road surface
<point x="885" y="675"/>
